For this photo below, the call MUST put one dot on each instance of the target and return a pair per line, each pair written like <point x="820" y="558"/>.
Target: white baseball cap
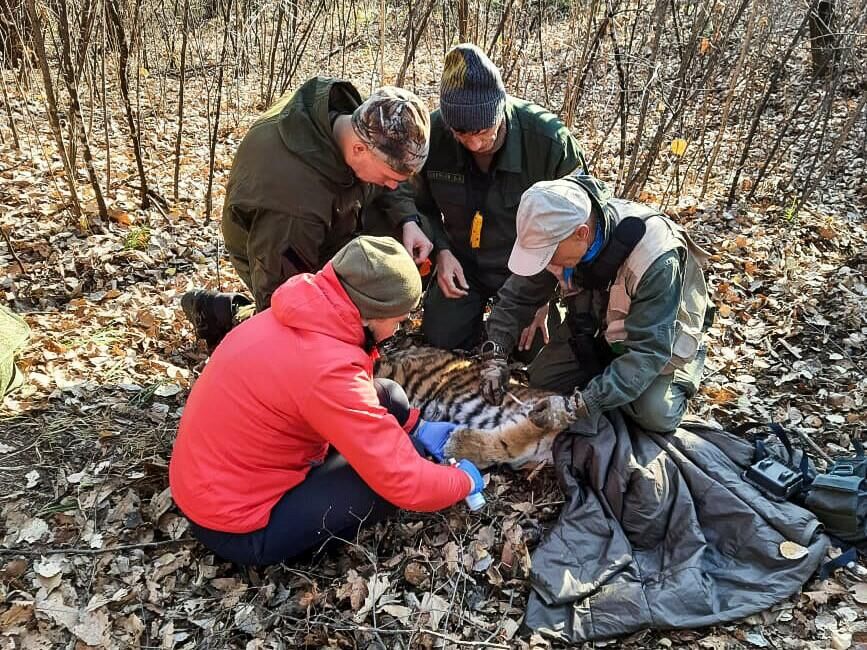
<point x="549" y="212"/>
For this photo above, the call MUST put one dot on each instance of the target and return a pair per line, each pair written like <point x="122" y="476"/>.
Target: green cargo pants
<point x="660" y="408"/>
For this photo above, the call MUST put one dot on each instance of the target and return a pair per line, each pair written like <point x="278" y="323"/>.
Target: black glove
<point x="494" y="373"/>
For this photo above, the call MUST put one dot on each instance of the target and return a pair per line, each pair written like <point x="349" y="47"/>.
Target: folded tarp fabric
<point x="662" y="531"/>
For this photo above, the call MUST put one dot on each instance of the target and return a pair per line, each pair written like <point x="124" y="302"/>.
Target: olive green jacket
<point x="538" y="147"/>
<point x="654" y="315"/>
<point x="292" y="201"/>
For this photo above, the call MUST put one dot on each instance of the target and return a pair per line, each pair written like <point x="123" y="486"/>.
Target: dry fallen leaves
<point x="793" y="550"/>
<point x="112" y="358"/>
<point x="355" y="589"/>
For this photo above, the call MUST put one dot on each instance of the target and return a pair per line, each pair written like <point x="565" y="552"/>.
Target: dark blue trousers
<point x="331" y="502"/>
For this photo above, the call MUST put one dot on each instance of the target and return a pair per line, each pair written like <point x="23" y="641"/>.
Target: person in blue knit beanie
<point x="486" y="149"/>
<point x="472" y="95"/>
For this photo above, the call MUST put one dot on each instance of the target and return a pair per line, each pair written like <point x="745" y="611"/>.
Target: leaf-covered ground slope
<point x="92" y="551"/>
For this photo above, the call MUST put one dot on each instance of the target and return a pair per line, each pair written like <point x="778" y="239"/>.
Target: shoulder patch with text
<point x="444" y="177"/>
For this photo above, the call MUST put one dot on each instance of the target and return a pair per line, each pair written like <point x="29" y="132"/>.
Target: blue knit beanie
<point x="472" y="95"/>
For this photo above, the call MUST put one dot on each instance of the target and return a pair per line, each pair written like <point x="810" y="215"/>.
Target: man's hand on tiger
<point x="558" y="412"/>
<point x="494" y="373"/>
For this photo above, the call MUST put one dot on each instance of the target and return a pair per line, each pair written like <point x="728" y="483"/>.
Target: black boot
<point x="212" y="314"/>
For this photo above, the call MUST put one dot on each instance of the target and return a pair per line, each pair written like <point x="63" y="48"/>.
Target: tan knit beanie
<point x="379" y="276"/>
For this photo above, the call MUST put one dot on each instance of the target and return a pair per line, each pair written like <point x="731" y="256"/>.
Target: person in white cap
<point x="636" y="301"/>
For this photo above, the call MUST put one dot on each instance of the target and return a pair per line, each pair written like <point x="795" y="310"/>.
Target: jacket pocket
<point x="690" y="317"/>
<point x="451" y="198"/>
<point x="684" y="347"/>
<point x="618" y="301"/>
<point x="686" y="344"/>
<point x="689" y="377"/>
<point x="618" y="308"/>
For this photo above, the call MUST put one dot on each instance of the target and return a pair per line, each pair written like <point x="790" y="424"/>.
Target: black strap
<point x="849" y="554"/>
<point x="478" y="186"/>
<point x="761" y="450"/>
<point x="773" y="427"/>
<point x="591" y="359"/>
<point x="591" y="350"/>
<point x="599" y="273"/>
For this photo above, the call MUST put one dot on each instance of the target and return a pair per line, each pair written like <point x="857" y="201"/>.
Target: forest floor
<point x="93" y="552"/>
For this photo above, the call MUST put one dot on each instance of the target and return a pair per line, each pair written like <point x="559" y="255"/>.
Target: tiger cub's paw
<point x="472" y="444"/>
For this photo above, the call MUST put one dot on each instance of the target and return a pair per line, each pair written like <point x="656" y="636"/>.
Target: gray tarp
<point x="661" y="531"/>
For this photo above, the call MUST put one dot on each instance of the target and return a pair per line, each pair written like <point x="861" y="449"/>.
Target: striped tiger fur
<point x="444" y="385"/>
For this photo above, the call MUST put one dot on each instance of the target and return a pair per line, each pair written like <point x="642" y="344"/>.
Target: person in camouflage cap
<point x="395" y="125"/>
<point x="309" y="176"/>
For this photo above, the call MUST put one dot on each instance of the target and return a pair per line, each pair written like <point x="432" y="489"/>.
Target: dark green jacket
<point x="538" y="147"/>
<point x="292" y="201"/>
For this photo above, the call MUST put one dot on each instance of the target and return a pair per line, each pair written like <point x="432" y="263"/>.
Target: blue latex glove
<point x="434" y="436"/>
<point x="474" y="474"/>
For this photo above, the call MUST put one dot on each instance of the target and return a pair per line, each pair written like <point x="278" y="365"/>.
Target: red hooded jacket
<point x="277" y="392"/>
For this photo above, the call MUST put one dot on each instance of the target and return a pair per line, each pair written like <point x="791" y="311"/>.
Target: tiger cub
<point x="444" y="385"/>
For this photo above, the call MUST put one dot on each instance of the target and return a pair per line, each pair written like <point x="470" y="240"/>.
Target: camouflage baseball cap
<point x="395" y="124"/>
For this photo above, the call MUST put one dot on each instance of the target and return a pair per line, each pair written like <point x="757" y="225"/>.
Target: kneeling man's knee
<point x="657" y="420"/>
<point x="393" y="398"/>
<point x="660" y="408"/>
<point x="439" y="336"/>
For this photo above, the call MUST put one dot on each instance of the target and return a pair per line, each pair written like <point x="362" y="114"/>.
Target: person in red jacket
<point x="287" y="440"/>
